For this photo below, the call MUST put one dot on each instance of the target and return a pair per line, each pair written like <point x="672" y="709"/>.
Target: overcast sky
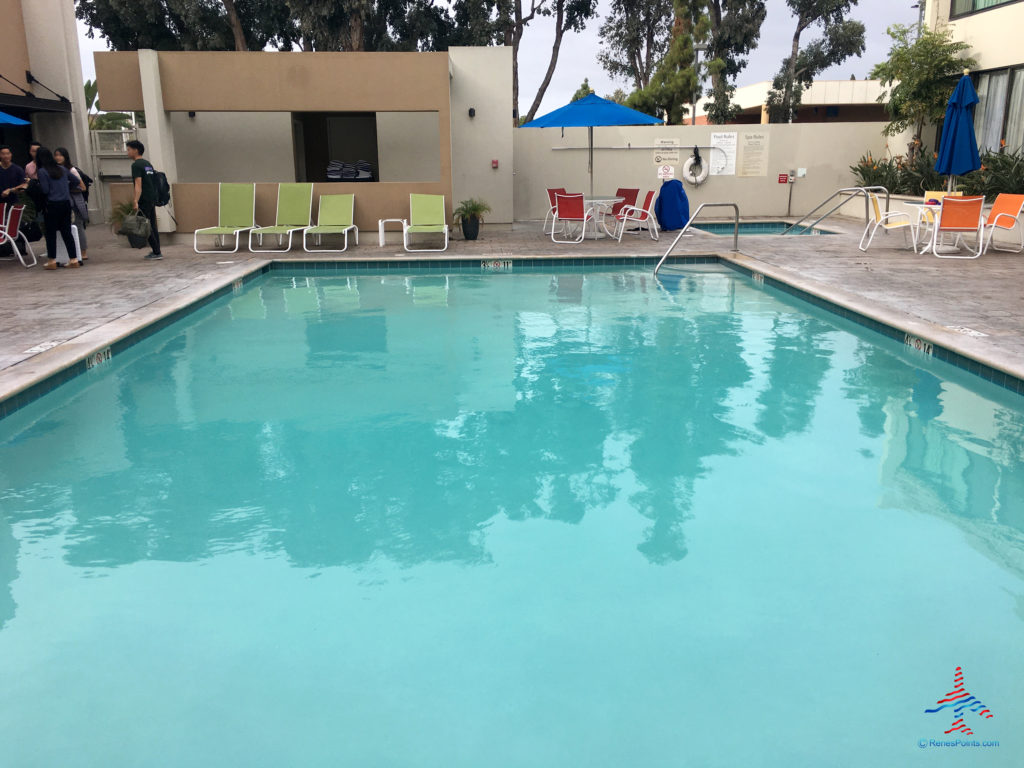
<point x="578" y="56"/>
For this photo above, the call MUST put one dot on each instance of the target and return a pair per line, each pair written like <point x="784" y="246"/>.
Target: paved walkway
<point x="49" y="320"/>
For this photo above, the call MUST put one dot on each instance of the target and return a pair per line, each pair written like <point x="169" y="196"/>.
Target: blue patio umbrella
<point x="6" y="119"/>
<point x="958" y="147"/>
<point x="589" y="112"/>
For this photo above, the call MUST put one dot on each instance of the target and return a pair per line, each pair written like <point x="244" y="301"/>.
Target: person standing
<point x="12" y="176"/>
<point x="145" y="193"/>
<point x="79" y="205"/>
<point x="53" y="182"/>
<point x="30" y="167"/>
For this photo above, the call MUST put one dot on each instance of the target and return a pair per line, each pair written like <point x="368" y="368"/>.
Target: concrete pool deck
<point x="51" y="320"/>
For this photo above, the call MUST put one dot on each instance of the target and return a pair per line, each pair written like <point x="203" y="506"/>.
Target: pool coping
<point x="29" y="380"/>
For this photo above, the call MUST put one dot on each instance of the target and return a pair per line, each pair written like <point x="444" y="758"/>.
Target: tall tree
<point x="674" y="83"/>
<point x="635" y="36"/>
<point x="583" y="91"/>
<point x="189" y="25"/>
<point x="569" y="16"/>
<point x="735" y="28"/>
<point x="919" y="75"/>
<point x="841" y="39"/>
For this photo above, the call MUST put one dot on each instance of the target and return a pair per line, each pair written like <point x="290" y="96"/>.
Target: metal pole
<point x="590" y="164"/>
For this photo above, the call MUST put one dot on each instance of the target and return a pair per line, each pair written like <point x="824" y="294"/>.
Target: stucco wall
<point x="407" y="146"/>
<point x="993" y="34"/>
<point x="14" y="50"/>
<point x="482" y="79"/>
<point x="52" y="41"/>
<point x="826" y="150"/>
<point x="233" y="146"/>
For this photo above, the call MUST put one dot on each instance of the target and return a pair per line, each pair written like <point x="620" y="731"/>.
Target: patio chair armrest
<point x="1011" y="217"/>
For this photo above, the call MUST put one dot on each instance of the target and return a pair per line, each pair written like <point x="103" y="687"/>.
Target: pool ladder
<point x="853" y="192"/>
<point x="702" y="206"/>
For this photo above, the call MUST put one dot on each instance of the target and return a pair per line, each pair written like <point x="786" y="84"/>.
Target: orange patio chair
<point x="1005" y="214"/>
<point x="959" y="216"/>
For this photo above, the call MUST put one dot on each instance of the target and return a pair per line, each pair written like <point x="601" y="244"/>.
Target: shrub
<point x="1001" y="171"/>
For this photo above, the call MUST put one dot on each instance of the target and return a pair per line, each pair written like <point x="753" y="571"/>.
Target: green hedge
<point x="1000" y="172"/>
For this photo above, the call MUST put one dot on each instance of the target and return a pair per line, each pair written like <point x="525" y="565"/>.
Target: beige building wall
<point x="545" y="159"/>
<point x="233" y="146"/>
<point x="51" y="39"/>
<point x="14" y="48"/>
<point x="481" y="78"/>
<point x="406" y="146"/>
<point x="994" y="34"/>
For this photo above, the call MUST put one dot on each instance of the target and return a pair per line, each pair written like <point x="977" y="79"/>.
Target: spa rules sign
<point x="753" y="154"/>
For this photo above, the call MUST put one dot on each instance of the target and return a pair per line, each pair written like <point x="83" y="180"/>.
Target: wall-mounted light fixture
<point x="472" y="112"/>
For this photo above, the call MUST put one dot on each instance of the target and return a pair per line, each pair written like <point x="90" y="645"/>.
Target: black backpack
<point x="163" y="189"/>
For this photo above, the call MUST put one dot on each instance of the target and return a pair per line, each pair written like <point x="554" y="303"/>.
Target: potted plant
<point x="470" y="213"/>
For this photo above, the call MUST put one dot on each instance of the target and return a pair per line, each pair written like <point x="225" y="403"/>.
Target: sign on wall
<point x="753" y="155"/>
<point x="723" y="154"/>
<point x="666" y="172"/>
<point x="666" y="152"/>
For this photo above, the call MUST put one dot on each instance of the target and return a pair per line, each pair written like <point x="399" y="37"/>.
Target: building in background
<point x="992" y="29"/>
<point x="42" y="78"/>
<point x="380" y="125"/>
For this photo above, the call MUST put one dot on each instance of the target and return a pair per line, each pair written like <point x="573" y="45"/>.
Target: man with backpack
<point x="145" y="199"/>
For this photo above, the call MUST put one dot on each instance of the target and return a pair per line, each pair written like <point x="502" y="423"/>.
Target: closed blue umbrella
<point x="6" y="119"/>
<point x="958" y="148"/>
<point x="588" y="112"/>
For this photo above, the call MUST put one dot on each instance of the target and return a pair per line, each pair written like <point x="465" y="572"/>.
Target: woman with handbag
<point x="53" y="181"/>
<point x="77" y="188"/>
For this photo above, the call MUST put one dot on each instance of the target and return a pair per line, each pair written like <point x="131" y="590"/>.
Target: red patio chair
<point x="10" y="232"/>
<point x="1005" y="214"/>
<point x="959" y="216"/>
<point x="643" y="217"/>
<point x="628" y="196"/>
<point x="569" y="211"/>
<point x="551" y="208"/>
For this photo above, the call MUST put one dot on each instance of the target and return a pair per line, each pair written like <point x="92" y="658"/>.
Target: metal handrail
<point x="702" y="206"/>
<point x="846" y="190"/>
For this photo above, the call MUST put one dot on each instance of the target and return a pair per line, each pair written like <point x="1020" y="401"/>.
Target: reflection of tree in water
<point x="797" y="364"/>
<point x="347" y="488"/>
<point x="681" y="416"/>
<point x="8" y="567"/>
<point x="873" y="381"/>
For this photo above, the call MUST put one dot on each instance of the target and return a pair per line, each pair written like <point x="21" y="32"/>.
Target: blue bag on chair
<point x="673" y="207"/>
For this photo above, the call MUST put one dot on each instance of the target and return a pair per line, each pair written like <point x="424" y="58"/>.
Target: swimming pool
<point x="757" y="228"/>
<point x="579" y="518"/>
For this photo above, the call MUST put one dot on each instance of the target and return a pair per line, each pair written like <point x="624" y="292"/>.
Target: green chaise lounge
<point x="334" y="217"/>
<point x="236" y="213"/>
<point x="426" y="215"/>
<point x="294" y="208"/>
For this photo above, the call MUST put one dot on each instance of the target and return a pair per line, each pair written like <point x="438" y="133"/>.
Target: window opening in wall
<point x="367" y="146"/>
<point x="963" y="7"/>
<point x="999" y="115"/>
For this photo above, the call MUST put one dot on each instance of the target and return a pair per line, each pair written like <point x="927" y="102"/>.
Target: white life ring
<point x="695" y="178"/>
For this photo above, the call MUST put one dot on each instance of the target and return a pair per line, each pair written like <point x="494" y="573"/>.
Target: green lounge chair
<point x="334" y="217"/>
<point x="236" y="212"/>
<point x="426" y="214"/>
<point x="294" y="206"/>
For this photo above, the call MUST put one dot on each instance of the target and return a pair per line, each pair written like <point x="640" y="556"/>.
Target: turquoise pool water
<point x="757" y="228"/>
<point x="583" y="518"/>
